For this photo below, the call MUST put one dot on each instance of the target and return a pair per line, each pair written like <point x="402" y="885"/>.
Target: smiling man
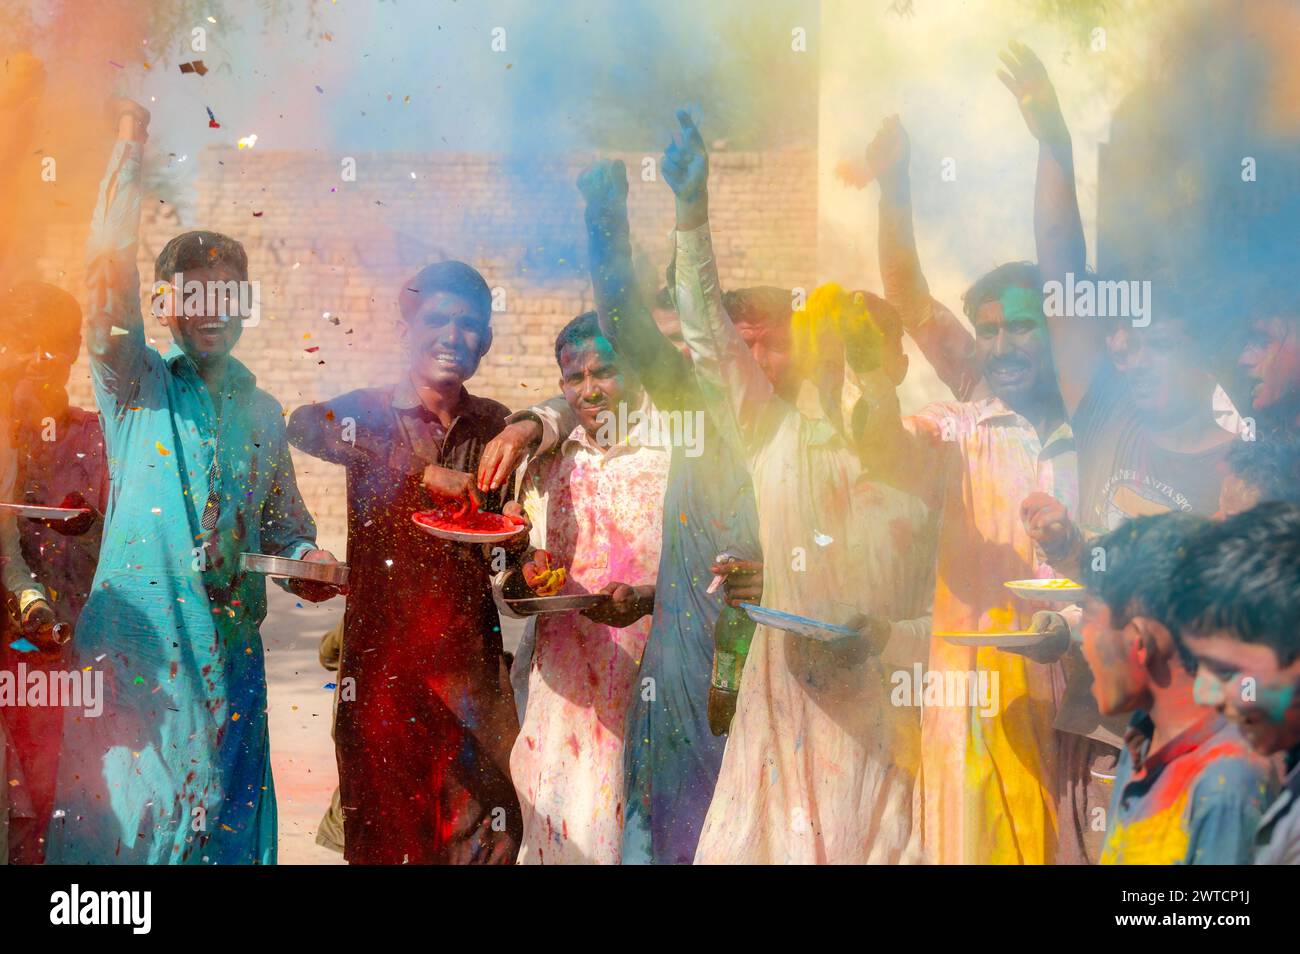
<point x="989" y="784"/>
<point x="425" y="726"/>
<point x="178" y="768"/>
<point x="596" y="505"/>
<point x="1235" y="610"/>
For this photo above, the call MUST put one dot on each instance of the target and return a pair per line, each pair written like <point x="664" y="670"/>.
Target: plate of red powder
<point x="468" y="526"/>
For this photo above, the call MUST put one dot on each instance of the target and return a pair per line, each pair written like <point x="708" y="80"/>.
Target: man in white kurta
<point x="599" y="509"/>
<point x="819" y="766"/>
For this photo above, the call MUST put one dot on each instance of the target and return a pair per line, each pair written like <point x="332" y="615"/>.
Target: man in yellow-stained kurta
<point x="987" y="787"/>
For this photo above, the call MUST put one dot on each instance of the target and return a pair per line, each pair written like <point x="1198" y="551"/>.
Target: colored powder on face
<point x="1021" y="304"/>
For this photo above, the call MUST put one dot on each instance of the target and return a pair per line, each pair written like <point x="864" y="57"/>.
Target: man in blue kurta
<point x="671" y="757"/>
<point x="177" y="767"/>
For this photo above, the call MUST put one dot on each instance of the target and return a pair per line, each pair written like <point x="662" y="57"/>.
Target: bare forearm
<point x="1058" y="226"/>
<point x="1077" y="343"/>
<point x="624" y="316"/>
<point x="900" y="265"/>
<point x="115" y="324"/>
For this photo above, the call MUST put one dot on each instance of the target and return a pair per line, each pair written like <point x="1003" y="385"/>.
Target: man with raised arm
<point x="1146" y="435"/>
<point x="177" y="768"/>
<point x="819" y="765"/>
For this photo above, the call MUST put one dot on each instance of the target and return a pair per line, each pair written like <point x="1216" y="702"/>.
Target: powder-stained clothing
<point x="424" y="726"/>
<point x="819" y="766"/>
<point x="597" y="512"/>
<point x="671" y="757"/>
<point x="1277" y="842"/>
<point x="63" y="557"/>
<point x="989" y="783"/>
<point x="177" y="769"/>
<point x="1195" y="801"/>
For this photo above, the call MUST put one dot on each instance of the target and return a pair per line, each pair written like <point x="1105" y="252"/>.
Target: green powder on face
<point x="1021" y="304"/>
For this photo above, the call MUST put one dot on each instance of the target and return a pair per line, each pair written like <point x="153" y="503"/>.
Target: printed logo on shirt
<point x="1128" y="494"/>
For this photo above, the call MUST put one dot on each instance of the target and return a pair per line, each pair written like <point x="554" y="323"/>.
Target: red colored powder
<point x="472" y="522"/>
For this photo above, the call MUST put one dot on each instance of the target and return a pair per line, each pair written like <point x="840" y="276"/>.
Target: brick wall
<point x="347" y="251"/>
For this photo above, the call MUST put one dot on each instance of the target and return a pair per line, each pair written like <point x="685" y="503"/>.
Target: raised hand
<point x="604" y="184"/>
<point x="1028" y="81"/>
<point x="686" y="163"/>
<point x="889" y="153"/>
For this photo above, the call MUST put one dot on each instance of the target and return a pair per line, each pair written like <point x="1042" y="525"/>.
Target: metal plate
<point x="533" y="605"/>
<point x="335" y="573"/>
<point x="1021" y="640"/>
<point x="797" y="625"/>
<point x="1036" y="590"/>
<point x="43" y="513"/>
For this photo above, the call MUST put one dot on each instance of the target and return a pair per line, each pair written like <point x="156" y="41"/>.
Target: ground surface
<point x="302" y="754"/>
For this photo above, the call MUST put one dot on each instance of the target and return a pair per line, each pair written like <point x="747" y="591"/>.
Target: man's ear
<point x="487" y="342"/>
<point x="162" y="304"/>
<point x="1151" y="641"/>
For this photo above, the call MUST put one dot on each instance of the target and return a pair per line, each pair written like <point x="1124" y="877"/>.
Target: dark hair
<point x="1141" y="558"/>
<point x="451" y="277"/>
<point x="1270" y="463"/>
<point x="990" y="287"/>
<point x="664" y="299"/>
<point x="585" y="327"/>
<point x="1242" y="577"/>
<point x="199" y="249"/>
<point x="761" y="305"/>
<point x="40" y="313"/>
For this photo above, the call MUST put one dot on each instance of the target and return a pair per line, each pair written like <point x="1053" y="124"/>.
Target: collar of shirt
<point x="238" y="377"/>
<point x="579" y="439"/>
<point x="991" y="408"/>
<point x="468" y="407"/>
<point x="406" y="398"/>
<point x="1138" y="741"/>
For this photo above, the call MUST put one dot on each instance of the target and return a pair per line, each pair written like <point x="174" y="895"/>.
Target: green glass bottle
<point x="731" y="638"/>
